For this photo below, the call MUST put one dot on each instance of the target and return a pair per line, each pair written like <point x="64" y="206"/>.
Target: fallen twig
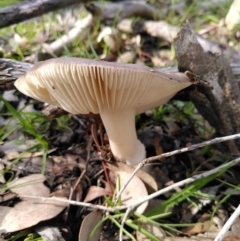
<point x="29" y="9"/>
<point x="79" y="31"/>
<point x="128" y="211"/>
<point x="171" y="153"/>
<point x="149" y="197"/>
<point x="228" y="224"/>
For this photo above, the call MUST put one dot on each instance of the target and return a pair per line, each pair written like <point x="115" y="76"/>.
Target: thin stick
<point x="75" y="203"/>
<point x="123" y="222"/>
<point x="171" y="153"/>
<point x="228" y="224"/>
<point x="184" y="182"/>
<point x="153" y="195"/>
<point x="79" y="32"/>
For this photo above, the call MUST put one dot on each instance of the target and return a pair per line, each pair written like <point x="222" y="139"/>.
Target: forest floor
<point x="68" y="156"/>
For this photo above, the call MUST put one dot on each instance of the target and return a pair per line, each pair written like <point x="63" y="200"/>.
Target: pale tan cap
<point x="82" y="85"/>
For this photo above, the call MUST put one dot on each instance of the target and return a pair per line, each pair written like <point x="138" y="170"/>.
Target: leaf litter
<point x="68" y="161"/>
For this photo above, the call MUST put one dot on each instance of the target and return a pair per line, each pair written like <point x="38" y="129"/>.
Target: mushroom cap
<point x="82" y="85"/>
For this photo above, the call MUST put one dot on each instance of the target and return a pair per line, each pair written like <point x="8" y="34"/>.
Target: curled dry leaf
<point x="95" y="192"/>
<point x="88" y="224"/>
<point x="30" y="185"/>
<point x="204" y="225"/>
<point x="49" y="233"/>
<point x="134" y="191"/>
<point x="29" y="213"/>
<point x="198" y="228"/>
<point x="147" y="179"/>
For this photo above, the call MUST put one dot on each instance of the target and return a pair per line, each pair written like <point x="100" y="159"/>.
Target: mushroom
<point x="116" y="91"/>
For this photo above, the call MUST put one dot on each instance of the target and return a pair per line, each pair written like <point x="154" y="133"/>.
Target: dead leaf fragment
<point x="95" y="192"/>
<point x="29" y="213"/>
<point x="30" y="185"/>
<point x="134" y="191"/>
<point x="198" y="228"/>
<point x="203" y="225"/>
<point x="49" y="233"/>
<point x="88" y="224"/>
<point x="147" y="179"/>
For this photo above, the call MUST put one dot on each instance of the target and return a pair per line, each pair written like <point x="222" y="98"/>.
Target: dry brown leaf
<point x="30" y="185"/>
<point x="158" y="147"/>
<point x="147" y="179"/>
<point x="28" y="213"/>
<point x="49" y="233"/>
<point x="235" y="229"/>
<point x="234" y="233"/>
<point x="95" y="192"/>
<point x="203" y="225"/>
<point x="134" y="191"/>
<point x="88" y="224"/>
<point x="153" y="229"/>
<point x="9" y="155"/>
<point x="4" y="211"/>
<point x="231" y="238"/>
<point x="197" y="228"/>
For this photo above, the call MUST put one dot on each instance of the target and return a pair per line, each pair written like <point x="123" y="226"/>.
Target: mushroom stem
<point x="120" y="127"/>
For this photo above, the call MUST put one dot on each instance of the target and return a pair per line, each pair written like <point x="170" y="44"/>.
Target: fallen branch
<point x="26" y="10"/>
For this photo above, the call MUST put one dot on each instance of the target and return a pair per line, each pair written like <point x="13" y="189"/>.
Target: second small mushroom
<point x="118" y="92"/>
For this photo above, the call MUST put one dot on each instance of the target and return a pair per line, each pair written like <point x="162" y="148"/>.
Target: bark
<point x="217" y="96"/>
<point x="26" y="10"/>
<point x="11" y="70"/>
